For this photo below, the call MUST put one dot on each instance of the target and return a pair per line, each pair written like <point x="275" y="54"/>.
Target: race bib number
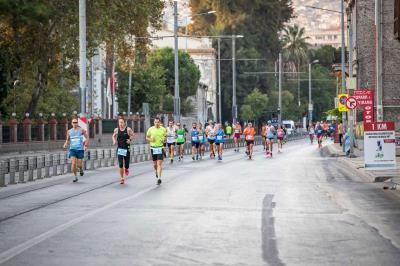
<point x="319" y="131"/>
<point x="194" y="139"/>
<point x="201" y="138"/>
<point x="219" y="137"/>
<point x="122" y="152"/>
<point x="170" y="139"/>
<point x="250" y="137"/>
<point x="157" y="151"/>
<point x="76" y="143"/>
<point x="237" y="131"/>
<point x="180" y="136"/>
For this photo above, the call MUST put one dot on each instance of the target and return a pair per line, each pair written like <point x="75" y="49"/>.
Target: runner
<point x="123" y="137"/>
<point x="325" y="127"/>
<point x="319" y="129"/>
<point x="156" y="136"/>
<point x="171" y="140"/>
<point x="228" y="131"/>
<point x="77" y="147"/>
<point x="236" y="137"/>
<point x="180" y="141"/>
<point x="194" y="134"/>
<point x="211" y="132"/>
<point x="264" y="135"/>
<point x="311" y="132"/>
<point x="280" y="133"/>
<point x="270" y="137"/>
<point x="219" y="141"/>
<point x="201" y="141"/>
<point x="249" y="133"/>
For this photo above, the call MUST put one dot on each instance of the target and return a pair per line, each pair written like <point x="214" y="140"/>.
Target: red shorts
<point x="237" y="135"/>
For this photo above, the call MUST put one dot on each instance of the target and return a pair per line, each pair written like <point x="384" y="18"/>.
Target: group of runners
<point x="166" y="141"/>
<point x="319" y="131"/>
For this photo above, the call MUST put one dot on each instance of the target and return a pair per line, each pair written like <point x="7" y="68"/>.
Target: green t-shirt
<point x="228" y="130"/>
<point x="158" y="135"/>
<point x="181" y="135"/>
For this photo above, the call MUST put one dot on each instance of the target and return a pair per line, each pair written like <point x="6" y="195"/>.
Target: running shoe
<point x="193" y="158"/>
<point x="122" y="181"/>
<point x="172" y="161"/>
<point x="219" y="158"/>
<point x="126" y="171"/>
<point x="179" y="158"/>
<point x="81" y="171"/>
<point x="75" y="179"/>
<point x="159" y="181"/>
<point x="197" y="157"/>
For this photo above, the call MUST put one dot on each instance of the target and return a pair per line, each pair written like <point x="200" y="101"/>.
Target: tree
<point x="295" y="46"/>
<point x="154" y="82"/>
<point x="327" y="55"/>
<point x="259" y="22"/>
<point x="40" y="38"/>
<point x="189" y="73"/>
<point x="148" y="85"/>
<point x="254" y="105"/>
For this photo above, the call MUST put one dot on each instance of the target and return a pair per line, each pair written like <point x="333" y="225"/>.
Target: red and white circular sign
<point x="351" y="103"/>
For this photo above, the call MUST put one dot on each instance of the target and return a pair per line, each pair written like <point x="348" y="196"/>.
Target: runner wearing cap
<point x="76" y="148"/>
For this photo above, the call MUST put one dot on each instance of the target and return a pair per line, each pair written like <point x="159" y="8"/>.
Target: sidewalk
<point x="357" y="163"/>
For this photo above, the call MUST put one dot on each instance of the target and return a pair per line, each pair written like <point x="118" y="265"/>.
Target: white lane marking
<point x="12" y="252"/>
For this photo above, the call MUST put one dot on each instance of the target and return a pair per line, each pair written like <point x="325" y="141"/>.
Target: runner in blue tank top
<point x="77" y="147"/>
<point x="202" y="138"/>
<point x="194" y="135"/>
<point x="219" y="140"/>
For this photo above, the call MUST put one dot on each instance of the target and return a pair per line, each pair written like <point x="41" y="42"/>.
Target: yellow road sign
<point x="342" y="102"/>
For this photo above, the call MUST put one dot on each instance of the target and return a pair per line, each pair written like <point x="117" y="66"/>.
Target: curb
<point x="343" y="159"/>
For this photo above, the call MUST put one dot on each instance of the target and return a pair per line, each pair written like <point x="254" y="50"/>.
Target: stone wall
<point x="364" y="33"/>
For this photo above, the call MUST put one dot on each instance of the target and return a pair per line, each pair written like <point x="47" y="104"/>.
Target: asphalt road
<point x="299" y="208"/>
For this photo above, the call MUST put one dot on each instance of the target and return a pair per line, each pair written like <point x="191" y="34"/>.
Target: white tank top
<point x="171" y="135"/>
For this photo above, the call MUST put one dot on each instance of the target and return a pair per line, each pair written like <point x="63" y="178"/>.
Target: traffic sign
<point x="351" y="103"/>
<point x="342" y="102"/>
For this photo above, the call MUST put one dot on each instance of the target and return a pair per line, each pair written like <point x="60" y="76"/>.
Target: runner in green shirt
<point x="156" y="136"/>
<point x="228" y="131"/>
<point x="180" y="141"/>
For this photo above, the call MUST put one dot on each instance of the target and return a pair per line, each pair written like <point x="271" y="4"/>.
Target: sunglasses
<point x="74" y="122"/>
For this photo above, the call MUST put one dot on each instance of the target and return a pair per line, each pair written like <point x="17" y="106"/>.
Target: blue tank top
<point x="270" y="134"/>
<point x="76" y="139"/>
<point x="195" y="135"/>
<point x="211" y="132"/>
<point x="201" y="137"/>
<point x="319" y="129"/>
<point x="220" y="136"/>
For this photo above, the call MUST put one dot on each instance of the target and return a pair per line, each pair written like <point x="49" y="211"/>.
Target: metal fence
<point x="21" y="169"/>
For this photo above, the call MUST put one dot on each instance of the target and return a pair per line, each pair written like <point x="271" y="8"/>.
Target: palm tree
<point x="295" y="45"/>
<point x="295" y="49"/>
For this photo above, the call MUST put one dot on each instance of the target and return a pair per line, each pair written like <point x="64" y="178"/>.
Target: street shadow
<point x="270" y="251"/>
